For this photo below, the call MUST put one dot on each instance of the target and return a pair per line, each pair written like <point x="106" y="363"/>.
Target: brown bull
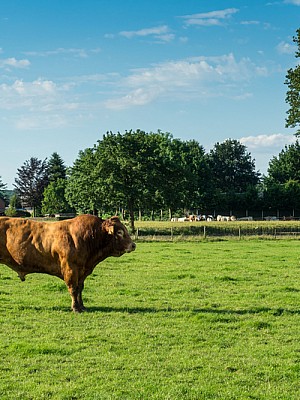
<point x="68" y="249"/>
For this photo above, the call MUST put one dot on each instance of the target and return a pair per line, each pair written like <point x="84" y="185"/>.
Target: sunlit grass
<point x="206" y="320"/>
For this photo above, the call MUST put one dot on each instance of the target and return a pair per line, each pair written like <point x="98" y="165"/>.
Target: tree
<point x="233" y="173"/>
<point x="54" y="201"/>
<point x="31" y="182"/>
<point x="2" y="188"/>
<point x="136" y="170"/>
<point x="2" y="185"/>
<point x="293" y="92"/>
<point x="56" y="168"/>
<point x="13" y="204"/>
<point x="286" y="166"/>
<point x="281" y="186"/>
<point x="82" y="191"/>
<point x="128" y="167"/>
<point x="186" y="179"/>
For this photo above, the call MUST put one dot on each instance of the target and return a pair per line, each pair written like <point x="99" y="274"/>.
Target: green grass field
<point x="181" y="320"/>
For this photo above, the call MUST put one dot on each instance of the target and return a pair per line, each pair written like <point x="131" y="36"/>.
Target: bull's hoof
<point x="79" y="309"/>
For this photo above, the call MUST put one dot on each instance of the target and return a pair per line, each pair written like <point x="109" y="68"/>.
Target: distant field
<point x="177" y="320"/>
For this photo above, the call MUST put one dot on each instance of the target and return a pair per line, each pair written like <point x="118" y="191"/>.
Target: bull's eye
<point x="120" y="233"/>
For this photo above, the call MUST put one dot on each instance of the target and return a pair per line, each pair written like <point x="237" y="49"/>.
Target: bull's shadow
<point x="217" y="311"/>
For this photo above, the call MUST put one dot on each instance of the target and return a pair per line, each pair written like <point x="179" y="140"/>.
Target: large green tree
<point x="286" y="166"/>
<point x="293" y="92"/>
<point x="32" y="178"/>
<point x="189" y="175"/>
<point x="130" y="168"/>
<point x="233" y="174"/>
<point x="83" y="191"/>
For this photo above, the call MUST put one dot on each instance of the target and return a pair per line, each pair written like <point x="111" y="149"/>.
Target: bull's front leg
<point x="74" y="293"/>
<point x="75" y="289"/>
<point x="79" y="296"/>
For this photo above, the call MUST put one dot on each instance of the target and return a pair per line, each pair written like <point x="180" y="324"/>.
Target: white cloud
<point x="80" y="53"/>
<point x="14" y="63"/>
<point x="286" y="48"/>
<point x="264" y="147"/>
<point x="158" y="30"/>
<point x="28" y="89"/>
<point x="161" y="33"/>
<point x="211" y="18"/>
<point x="34" y="122"/>
<point x="273" y="142"/>
<point x="33" y="95"/>
<point x="138" y="97"/>
<point x="295" y="2"/>
<point x="186" y="79"/>
<point x="253" y="22"/>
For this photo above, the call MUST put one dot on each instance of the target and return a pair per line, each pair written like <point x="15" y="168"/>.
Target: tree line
<point x="149" y="172"/>
<point x="154" y="171"/>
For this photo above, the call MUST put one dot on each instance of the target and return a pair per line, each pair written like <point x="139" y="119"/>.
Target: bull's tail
<point x="21" y="276"/>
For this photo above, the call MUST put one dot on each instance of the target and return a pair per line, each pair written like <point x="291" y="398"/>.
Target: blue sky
<point x="201" y="69"/>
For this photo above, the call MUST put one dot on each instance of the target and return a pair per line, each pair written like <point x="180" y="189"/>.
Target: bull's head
<point x="121" y="240"/>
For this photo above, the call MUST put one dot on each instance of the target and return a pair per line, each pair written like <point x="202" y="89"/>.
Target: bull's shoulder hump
<point x="88" y="218"/>
<point x="85" y="221"/>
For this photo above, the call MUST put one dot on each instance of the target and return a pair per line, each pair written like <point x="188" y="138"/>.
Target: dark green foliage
<point x="232" y="168"/>
<point x="56" y="168"/>
<point x="282" y="186"/>
<point x="234" y="177"/>
<point x="286" y="166"/>
<point x="54" y="201"/>
<point x="82" y="191"/>
<point x="293" y="92"/>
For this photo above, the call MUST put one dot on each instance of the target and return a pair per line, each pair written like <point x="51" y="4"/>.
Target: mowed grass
<point x="183" y="320"/>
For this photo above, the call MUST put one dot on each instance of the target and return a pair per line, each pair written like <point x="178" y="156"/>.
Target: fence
<point x="206" y="231"/>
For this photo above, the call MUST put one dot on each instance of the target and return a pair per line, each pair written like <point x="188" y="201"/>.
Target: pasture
<point x="173" y="320"/>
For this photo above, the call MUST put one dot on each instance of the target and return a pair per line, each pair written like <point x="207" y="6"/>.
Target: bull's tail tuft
<point x="21" y="276"/>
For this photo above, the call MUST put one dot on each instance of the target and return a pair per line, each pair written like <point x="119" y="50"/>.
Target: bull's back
<point x="28" y="246"/>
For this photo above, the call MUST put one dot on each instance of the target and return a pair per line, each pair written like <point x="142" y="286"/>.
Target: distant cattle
<point x="183" y="219"/>
<point x="193" y="218"/>
<point x="245" y="219"/>
<point x="68" y="249"/>
<point x="226" y="218"/>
